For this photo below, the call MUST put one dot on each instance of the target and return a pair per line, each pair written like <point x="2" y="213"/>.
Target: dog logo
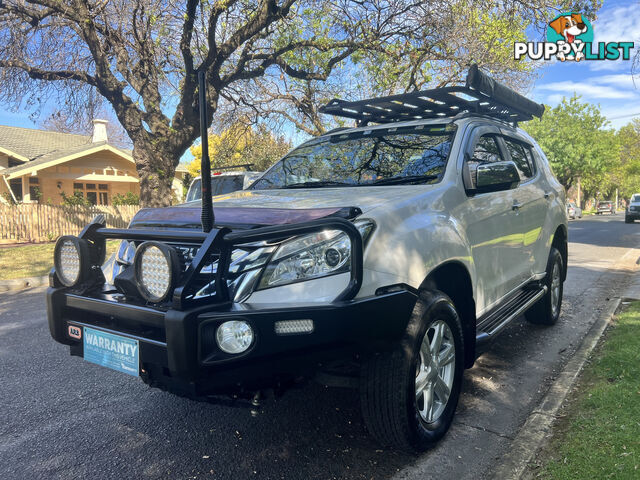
<point x="570" y="28"/>
<point x="570" y="37"/>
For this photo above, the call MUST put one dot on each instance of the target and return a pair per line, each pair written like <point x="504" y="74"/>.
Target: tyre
<point x="408" y="395"/>
<point x="628" y="220"/>
<point x="547" y="310"/>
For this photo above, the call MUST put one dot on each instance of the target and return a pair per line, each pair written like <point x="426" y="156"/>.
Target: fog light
<point x="234" y="336"/>
<point x="288" y="327"/>
<point x="71" y="259"/>
<point x="156" y="268"/>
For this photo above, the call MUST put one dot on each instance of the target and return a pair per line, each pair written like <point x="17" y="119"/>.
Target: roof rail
<point x="481" y="95"/>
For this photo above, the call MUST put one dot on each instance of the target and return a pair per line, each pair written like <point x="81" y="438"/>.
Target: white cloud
<point x="588" y="89"/>
<point x="616" y="24"/>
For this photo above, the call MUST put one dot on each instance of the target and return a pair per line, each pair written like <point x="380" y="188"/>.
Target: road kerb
<point x="531" y="436"/>
<point x="22" y="283"/>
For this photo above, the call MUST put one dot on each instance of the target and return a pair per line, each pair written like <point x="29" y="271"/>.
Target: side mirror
<point x="492" y="177"/>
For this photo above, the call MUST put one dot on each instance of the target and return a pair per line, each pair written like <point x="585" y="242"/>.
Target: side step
<point x="494" y="321"/>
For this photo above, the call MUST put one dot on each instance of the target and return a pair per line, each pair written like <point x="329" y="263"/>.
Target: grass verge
<point x="33" y="260"/>
<point x="599" y="434"/>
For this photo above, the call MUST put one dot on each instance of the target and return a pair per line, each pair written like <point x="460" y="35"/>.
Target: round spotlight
<point x="71" y="260"/>
<point x="156" y="266"/>
<point x="234" y="336"/>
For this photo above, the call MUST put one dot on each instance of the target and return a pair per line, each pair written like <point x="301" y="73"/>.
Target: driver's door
<point x="493" y="227"/>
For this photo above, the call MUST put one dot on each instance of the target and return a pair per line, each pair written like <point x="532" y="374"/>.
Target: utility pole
<point x="578" y="199"/>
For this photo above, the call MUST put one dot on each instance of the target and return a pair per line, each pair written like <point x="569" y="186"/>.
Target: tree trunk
<point x="156" y="171"/>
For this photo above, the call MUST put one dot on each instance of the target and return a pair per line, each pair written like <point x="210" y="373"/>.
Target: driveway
<point x="61" y="417"/>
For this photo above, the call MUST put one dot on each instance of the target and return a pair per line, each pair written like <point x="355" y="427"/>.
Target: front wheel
<point x="547" y="310"/>
<point x="409" y="394"/>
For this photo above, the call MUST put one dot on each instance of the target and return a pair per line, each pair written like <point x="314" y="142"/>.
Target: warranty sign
<point x="111" y="351"/>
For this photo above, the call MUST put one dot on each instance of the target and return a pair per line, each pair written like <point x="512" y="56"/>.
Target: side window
<point x="487" y="150"/>
<point x="521" y="156"/>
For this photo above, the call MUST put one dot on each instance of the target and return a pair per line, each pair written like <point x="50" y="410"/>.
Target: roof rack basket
<point x="481" y="95"/>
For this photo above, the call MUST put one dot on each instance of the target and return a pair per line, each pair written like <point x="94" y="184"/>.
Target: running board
<point x="494" y="321"/>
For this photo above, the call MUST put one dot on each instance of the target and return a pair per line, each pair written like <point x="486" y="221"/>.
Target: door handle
<point x="516" y="206"/>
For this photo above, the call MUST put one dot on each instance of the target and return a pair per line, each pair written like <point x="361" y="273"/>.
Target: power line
<point x="624" y="116"/>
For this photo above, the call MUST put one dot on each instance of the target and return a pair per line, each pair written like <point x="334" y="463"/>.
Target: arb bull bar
<point x="177" y="339"/>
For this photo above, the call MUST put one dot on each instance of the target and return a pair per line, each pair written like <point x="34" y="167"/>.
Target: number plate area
<point x="111" y="351"/>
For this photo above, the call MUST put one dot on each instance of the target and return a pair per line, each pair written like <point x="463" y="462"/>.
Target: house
<point x="39" y="166"/>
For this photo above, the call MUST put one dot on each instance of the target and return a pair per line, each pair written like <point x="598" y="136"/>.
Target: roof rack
<point x="481" y="95"/>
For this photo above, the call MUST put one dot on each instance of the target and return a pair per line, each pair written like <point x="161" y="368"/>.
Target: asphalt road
<point x="61" y="417"/>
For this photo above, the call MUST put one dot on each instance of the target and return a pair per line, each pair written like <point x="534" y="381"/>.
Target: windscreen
<point x="635" y="198"/>
<point x="364" y="158"/>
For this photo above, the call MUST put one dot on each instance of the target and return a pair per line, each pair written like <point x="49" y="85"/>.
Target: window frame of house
<point x="101" y="191"/>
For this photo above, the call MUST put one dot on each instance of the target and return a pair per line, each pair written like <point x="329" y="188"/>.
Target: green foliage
<point x="598" y="438"/>
<point x="75" y="200"/>
<point x="9" y="198"/>
<point x="128" y="198"/>
<point x="575" y="138"/>
<point x="241" y="144"/>
<point x="627" y="176"/>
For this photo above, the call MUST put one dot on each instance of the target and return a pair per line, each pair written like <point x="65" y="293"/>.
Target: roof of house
<point x="31" y="143"/>
<point x="39" y="147"/>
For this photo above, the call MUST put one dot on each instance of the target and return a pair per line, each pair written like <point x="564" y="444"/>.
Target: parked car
<point x="386" y="256"/>
<point x="573" y="211"/>
<point x="605" y="206"/>
<point x="222" y="182"/>
<point x="632" y="212"/>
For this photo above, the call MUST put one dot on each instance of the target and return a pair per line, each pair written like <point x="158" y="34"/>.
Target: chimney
<point x="99" y="131"/>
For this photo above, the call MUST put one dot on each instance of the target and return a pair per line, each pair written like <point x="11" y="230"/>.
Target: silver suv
<point x="386" y="256"/>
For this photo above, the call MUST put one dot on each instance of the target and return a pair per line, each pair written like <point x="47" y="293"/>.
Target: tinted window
<point x="519" y="156"/>
<point x="364" y="158"/>
<point x="226" y="184"/>
<point x="487" y="150"/>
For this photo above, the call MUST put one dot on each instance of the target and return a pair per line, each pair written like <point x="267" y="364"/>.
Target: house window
<point x="16" y="188"/>
<point x="96" y="194"/>
<point x="34" y="189"/>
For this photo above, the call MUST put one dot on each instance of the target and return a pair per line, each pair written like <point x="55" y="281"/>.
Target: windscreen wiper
<point x="410" y="179"/>
<point x="319" y="184"/>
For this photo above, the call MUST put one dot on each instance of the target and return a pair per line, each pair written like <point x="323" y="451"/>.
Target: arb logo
<point x="75" y="332"/>
<point x="570" y="37"/>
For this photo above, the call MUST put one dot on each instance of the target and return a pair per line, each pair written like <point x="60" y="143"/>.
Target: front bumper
<point x="178" y="351"/>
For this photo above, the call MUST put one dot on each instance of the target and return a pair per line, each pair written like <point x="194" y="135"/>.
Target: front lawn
<point x="600" y="435"/>
<point x="32" y="260"/>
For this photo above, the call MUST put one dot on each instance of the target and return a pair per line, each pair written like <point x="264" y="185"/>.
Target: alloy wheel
<point x="435" y="371"/>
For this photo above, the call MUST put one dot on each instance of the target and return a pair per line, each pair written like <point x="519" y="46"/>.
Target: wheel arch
<point x="560" y="241"/>
<point x="453" y="279"/>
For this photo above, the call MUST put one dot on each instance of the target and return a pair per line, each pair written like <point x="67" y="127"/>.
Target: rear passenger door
<point x="529" y="200"/>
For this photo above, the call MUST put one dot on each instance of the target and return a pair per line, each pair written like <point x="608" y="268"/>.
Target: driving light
<point x="156" y="266"/>
<point x="71" y="260"/>
<point x="234" y="336"/>
<point x="290" y="327"/>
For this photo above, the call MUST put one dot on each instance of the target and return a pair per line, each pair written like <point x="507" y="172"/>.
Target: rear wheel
<point x="547" y="310"/>
<point x="409" y="395"/>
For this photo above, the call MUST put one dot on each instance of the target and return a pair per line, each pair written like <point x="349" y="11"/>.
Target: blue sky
<point x="607" y="83"/>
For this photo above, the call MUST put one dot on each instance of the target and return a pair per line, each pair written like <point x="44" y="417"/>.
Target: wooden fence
<point x="42" y="223"/>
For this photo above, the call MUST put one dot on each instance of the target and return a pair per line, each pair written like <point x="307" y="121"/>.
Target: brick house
<point x="38" y="166"/>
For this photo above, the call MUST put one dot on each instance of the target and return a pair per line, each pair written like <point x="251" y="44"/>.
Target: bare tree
<point x="143" y="56"/>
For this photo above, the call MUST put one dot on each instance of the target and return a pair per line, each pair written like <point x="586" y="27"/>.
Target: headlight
<point x="156" y="267"/>
<point x="311" y="256"/>
<point x="234" y="336"/>
<point x="71" y="258"/>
